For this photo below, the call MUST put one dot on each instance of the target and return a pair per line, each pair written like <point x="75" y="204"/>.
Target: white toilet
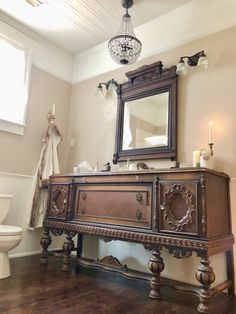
<point x="10" y="236"/>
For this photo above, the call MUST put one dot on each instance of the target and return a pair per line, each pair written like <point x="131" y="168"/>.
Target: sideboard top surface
<point x="146" y="171"/>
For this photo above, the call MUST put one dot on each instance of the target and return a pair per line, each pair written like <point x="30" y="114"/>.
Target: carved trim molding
<point x="187" y="219"/>
<point x="155" y="185"/>
<point x="203" y="190"/>
<point x="152" y="239"/>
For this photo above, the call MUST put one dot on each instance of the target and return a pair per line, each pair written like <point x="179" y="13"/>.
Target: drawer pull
<point x="139" y="214"/>
<point x="84" y="196"/>
<point x="82" y="210"/>
<point x="139" y="197"/>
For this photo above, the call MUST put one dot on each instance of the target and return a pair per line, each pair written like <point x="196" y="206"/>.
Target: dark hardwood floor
<point x="36" y="288"/>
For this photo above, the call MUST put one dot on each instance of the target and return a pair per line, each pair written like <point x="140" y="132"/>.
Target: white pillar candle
<point x="53" y="110"/>
<point x="196" y="158"/>
<point x="210" y="131"/>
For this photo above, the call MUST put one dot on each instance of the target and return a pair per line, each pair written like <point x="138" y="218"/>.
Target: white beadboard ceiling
<point x="77" y="25"/>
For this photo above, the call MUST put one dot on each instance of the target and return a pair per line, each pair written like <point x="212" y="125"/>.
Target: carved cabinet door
<point x="58" y="200"/>
<point x="178" y="207"/>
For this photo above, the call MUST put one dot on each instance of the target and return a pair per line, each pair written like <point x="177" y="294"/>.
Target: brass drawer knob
<point x="84" y="196"/>
<point x="139" y="214"/>
<point x="82" y="210"/>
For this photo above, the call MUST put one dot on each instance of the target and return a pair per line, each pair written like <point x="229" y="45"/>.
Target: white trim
<point x="16" y="175"/>
<point x="189" y="22"/>
<point x="11" y="127"/>
<point x="45" y="55"/>
<point x="32" y="253"/>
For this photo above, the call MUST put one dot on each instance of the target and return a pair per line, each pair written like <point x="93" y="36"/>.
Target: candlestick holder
<point x="51" y="117"/>
<point x="211" y="148"/>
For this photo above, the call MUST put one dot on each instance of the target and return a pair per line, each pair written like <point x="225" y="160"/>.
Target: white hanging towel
<point x="48" y="164"/>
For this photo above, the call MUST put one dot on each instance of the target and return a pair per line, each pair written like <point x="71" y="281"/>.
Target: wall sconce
<point x="199" y="59"/>
<point x="111" y="86"/>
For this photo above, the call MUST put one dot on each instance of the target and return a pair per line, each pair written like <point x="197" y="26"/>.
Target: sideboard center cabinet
<point x="183" y="210"/>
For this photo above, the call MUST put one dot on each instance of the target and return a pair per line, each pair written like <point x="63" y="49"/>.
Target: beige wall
<point x="20" y="154"/>
<point x="204" y="95"/>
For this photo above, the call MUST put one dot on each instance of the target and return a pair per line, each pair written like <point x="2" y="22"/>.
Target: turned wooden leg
<point x="45" y="242"/>
<point x="206" y="277"/>
<point x="156" y="266"/>
<point x="68" y="246"/>
<point x="230" y="269"/>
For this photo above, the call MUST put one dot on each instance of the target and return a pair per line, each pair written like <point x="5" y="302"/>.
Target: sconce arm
<point x="193" y="60"/>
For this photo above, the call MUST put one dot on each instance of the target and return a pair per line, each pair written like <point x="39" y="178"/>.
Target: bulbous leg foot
<point x="156" y="266"/>
<point x="206" y="277"/>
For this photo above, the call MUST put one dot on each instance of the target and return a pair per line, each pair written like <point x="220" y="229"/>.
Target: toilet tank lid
<point x="6" y="196"/>
<point x="10" y="230"/>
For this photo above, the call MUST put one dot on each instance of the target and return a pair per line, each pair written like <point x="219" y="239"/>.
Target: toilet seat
<point x="6" y="230"/>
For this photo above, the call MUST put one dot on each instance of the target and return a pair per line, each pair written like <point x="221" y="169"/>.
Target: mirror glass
<point x="145" y="122"/>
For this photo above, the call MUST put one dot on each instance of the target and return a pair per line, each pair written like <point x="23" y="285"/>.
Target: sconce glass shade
<point x="99" y="91"/>
<point x="112" y="86"/>
<point x="203" y="62"/>
<point x="181" y="67"/>
<point x="125" y="47"/>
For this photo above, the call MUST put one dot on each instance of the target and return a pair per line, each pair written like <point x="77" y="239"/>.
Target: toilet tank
<point x="5" y="202"/>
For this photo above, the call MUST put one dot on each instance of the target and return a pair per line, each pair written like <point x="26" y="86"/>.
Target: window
<point x="14" y="77"/>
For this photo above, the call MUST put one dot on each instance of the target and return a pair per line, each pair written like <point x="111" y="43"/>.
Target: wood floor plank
<point x="44" y="289"/>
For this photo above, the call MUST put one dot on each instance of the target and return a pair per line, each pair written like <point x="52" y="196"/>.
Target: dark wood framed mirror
<point x="147" y="114"/>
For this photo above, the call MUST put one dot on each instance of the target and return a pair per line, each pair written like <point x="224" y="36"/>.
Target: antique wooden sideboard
<point x="183" y="210"/>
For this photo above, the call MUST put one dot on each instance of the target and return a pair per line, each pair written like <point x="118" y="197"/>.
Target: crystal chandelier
<point x="125" y="48"/>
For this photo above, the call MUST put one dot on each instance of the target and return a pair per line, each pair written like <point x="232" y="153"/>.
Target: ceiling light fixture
<point x="111" y="86"/>
<point x="199" y="59"/>
<point x="125" y="48"/>
<point x="36" y="3"/>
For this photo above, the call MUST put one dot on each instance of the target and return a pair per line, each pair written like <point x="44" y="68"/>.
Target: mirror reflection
<point x="146" y="122"/>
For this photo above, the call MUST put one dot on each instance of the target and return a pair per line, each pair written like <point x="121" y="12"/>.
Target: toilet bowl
<point x="10" y="236"/>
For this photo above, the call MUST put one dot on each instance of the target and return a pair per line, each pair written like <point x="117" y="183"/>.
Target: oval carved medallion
<point x="178" y="206"/>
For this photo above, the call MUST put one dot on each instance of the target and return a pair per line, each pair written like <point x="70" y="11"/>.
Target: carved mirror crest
<point x="146" y="119"/>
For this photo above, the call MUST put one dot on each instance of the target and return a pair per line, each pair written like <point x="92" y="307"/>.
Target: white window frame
<point x="6" y="125"/>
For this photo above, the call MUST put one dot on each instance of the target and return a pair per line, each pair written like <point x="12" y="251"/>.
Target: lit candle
<point x="196" y="158"/>
<point x="210" y="131"/>
<point x="53" y="110"/>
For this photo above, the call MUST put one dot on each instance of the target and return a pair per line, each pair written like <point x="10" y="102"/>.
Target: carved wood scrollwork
<point x="155" y="185"/>
<point x="187" y="196"/>
<point x="203" y="189"/>
<point x="57" y="232"/>
<point x="70" y="233"/>
<point x="106" y="239"/>
<point x="151" y="247"/>
<point x="58" y="201"/>
<point x="139" y="197"/>
<point x="111" y="261"/>
<point x="139" y="214"/>
<point x="180" y="253"/>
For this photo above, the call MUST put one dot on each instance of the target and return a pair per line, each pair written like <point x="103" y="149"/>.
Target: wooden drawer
<point x="127" y="205"/>
<point x="178" y="209"/>
<point x="58" y="200"/>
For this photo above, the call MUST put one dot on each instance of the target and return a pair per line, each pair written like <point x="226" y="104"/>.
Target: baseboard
<point x="32" y="253"/>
